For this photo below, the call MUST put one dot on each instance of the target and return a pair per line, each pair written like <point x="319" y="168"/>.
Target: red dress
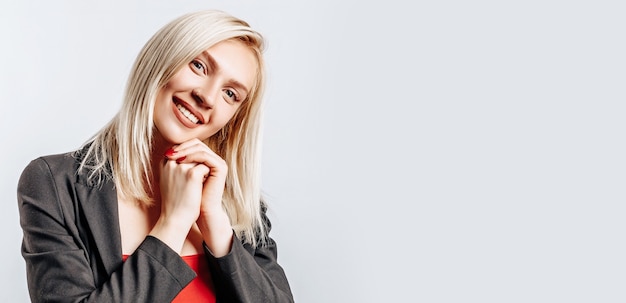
<point x="200" y="289"/>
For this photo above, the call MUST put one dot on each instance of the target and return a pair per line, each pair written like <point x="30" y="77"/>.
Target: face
<point x="205" y="94"/>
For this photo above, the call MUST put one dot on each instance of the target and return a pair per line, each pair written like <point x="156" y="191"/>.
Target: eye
<point x="231" y="94"/>
<point x="197" y="65"/>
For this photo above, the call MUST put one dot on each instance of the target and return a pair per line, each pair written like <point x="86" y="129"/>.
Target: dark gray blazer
<point x="73" y="252"/>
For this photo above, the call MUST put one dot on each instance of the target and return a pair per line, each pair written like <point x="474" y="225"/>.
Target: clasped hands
<point x="192" y="180"/>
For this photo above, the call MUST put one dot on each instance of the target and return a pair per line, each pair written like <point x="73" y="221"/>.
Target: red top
<point x="200" y="289"/>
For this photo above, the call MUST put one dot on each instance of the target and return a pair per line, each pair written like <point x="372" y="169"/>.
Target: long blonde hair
<point x="122" y="149"/>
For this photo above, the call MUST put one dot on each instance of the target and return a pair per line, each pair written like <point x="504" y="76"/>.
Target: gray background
<point x="443" y="151"/>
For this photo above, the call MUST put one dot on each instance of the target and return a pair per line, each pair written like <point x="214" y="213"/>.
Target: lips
<point x="186" y="113"/>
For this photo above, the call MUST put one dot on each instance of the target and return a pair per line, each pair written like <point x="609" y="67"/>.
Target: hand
<point x="181" y="190"/>
<point x="195" y="152"/>
<point x="181" y="186"/>
<point x="213" y="221"/>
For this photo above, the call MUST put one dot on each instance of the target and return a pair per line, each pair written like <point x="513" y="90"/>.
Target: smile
<point x="188" y="114"/>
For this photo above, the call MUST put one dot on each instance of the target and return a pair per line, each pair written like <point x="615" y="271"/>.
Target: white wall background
<point x="439" y="151"/>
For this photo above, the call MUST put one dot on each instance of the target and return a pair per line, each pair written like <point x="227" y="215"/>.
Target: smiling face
<point x="204" y="95"/>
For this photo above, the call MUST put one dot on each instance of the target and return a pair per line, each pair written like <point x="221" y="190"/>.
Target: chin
<point x="169" y="136"/>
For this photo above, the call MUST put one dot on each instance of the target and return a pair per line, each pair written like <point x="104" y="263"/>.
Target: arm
<point x="248" y="274"/>
<point x="61" y="268"/>
<point x="240" y="272"/>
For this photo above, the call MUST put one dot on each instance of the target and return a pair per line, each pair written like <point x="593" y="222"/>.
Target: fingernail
<point x="170" y="152"/>
<point x="181" y="159"/>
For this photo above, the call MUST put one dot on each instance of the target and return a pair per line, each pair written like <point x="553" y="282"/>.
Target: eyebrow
<point x="210" y="59"/>
<point x="215" y="66"/>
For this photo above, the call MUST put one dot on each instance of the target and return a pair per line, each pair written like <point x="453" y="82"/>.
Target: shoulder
<point x="44" y="180"/>
<point x="57" y="168"/>
<point x="59" y="164"/>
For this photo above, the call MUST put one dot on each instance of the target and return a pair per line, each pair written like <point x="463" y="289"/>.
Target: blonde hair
<point x="122" y="149"/>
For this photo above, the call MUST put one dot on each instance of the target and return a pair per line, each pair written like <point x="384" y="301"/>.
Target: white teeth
<point x="187" y="114"/>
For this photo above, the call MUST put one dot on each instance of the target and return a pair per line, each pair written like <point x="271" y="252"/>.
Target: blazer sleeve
<point x="57" y="265"/>
<point x="248" y="274"/>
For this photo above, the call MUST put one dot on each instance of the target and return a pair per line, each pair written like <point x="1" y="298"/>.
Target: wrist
<point x="217" y="232"/>
<point x="219" y="245"/>
<point x="171" y="232"/>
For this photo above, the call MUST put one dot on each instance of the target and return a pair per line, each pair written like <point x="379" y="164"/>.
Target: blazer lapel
<point x="99" y="205"/>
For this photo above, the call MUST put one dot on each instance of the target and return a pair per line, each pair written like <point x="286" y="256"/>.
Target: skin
<point x="191" y="177"/>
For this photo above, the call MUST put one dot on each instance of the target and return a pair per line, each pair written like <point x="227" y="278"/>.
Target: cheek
<point x="223" y="120"/>
<point x="231" y="115"/>
<point x="160" y="107"/>
<point x="220" y="119"/>
<point x="228" y="112"/>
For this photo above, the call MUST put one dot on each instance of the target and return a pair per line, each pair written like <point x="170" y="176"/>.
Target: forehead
<point x="235" y="61"/>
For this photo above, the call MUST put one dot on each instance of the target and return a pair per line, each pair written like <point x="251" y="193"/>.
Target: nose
<point x="202" y="98"/>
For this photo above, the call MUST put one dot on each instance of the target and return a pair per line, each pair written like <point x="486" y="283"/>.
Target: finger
<point x="173" y="171"/>
<point x="192" y="146"/>
<point x="213" y="161"/>
<point x="174" y="152"/>
<point x="199" y="153"/>
<point x="187" y="148"/>
<point x="187" y="144"/>
<point x="198" y="172"/>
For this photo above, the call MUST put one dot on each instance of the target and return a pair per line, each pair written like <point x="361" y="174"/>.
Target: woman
<point x="164" y="202"/>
